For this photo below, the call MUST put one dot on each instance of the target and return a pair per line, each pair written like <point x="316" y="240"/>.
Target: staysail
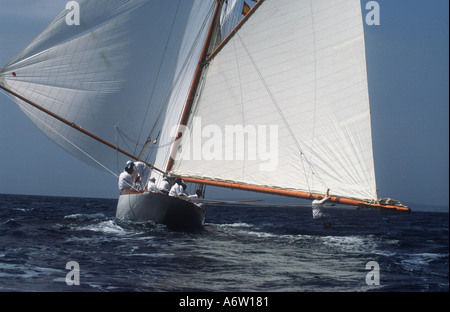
<point x="284" y="104"/>
<point x="123" y="74"/>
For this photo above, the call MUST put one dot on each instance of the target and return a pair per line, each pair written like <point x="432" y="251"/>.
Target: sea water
<point x="242" y="248"/>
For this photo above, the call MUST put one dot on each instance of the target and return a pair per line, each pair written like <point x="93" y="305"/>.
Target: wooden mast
<point x="196" y="80"/>
<point x="76" y="127"/>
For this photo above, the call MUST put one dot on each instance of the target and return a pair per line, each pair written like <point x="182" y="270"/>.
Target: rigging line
<point x="182" y="72"/>
<point x="68" y="141"/>
<point x="158" y="73"/>
<point x="125" y="137"/>
<point x="74" y="126"/>
<point x="274" y="101"/>
<point x="315" y="89"/>
<point x="242" y="100"/>
<point x="174" y="91"/>
<point x="196" y="79"/>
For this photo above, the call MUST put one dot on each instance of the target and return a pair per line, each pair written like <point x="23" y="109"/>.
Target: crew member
<point x="126" y="180"/>
<point x="165" y="186"/>
<point x="151" y="186"/>
<point x="196" y="198"/>
<point x="317" y="210"/>
<point x="177" y="188"/>
<point x="143" y="171"/>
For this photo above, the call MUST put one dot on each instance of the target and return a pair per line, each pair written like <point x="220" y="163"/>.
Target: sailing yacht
<point x="268" y="96"/>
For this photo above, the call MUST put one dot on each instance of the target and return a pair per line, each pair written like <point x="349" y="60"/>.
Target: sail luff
<point x="197" y="76"/>
<point x="75" y="126"/>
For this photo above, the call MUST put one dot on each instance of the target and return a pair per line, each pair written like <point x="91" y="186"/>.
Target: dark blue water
<point x="241" y="248"/>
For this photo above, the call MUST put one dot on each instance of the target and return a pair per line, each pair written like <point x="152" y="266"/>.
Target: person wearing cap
<point x="165" y="186"/>
<point x="126" y="180"/>
<point x="129" y="167"/>
<point x="151" y="186"/>
<point x="177" y="189"/>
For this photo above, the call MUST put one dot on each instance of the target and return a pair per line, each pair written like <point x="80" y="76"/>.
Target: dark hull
<point x="174" y="212"/>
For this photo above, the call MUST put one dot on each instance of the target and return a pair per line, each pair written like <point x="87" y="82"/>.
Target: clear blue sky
<point x="408" y="66"/>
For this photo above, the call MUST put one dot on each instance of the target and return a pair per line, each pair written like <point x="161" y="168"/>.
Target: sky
<point x="408" y="72"/>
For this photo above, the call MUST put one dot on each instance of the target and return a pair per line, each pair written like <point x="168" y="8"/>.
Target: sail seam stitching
<point x="274" y="101"/>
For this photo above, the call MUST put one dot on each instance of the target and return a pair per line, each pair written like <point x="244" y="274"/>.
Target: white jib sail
<point x="123" y="74"/>
<point x="285" y="104"/>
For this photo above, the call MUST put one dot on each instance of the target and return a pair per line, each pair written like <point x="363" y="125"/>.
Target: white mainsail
<point x="299" y="66"/>
<point x="123" y="75"/>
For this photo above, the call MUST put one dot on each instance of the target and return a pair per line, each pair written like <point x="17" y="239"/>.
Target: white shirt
<point x="125" y="181"/>
<point x="151" y="187"/>
<point x="143" y="171"/>
<point x="317" y="206"/>
<point x="176" y="190"/>
<point x="165" y="186"/>
<point x="320" y="201"/>
<point x="195" y="199"/>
